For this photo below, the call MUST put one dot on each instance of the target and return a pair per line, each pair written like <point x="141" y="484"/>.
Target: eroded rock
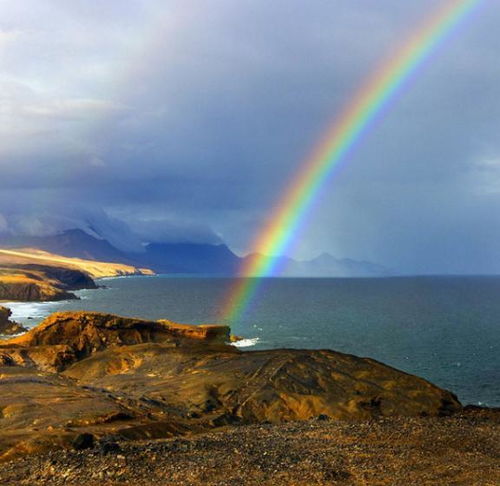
<point x="260" y="386"/>
<point x="109" y="376"/>
<point x="30" y="282"/>
<point x="8" y="327"/>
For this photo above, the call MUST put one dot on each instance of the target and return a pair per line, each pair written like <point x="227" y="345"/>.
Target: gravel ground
<point x="461" y="450"/>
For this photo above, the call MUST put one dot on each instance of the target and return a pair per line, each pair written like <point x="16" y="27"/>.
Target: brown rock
<point x="263" y="386"/>
<point x="83" y="441"/>
<point x="8" y="327"/>
<point x="206" y="332"/>
<point x="28" y="290"/>
<point x="66" y="337"/>
<point x="88" y="332"/>
<point x="42" y="410"/>
<point x="144" y="379"/>
<point x="30" y="282"/>
<point x="56" y="357"/>
<point x="28" y="274"/>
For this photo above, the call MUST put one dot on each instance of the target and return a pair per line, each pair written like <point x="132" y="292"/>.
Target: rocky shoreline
<point x="28" y="283"/>
<point x="104" y="374"/>
<point x="8" y="327"/>
<point x="85" y="390"/>
<point x="28" y="275"/>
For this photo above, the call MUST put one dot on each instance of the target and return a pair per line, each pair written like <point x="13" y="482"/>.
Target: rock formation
<point x="34" y="275"/>
<point x="130" y="378"/>
<point x="66" y="337"/>
<point x="41" y="283"/>
<point x="8" y="327"/>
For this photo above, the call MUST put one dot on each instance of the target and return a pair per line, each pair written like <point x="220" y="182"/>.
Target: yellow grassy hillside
<point x="95" y="269"/>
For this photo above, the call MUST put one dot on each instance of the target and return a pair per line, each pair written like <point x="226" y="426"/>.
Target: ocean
<point x="444" y="329"/>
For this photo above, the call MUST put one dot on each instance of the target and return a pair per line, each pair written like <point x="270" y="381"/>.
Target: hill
<point x="95" y="269"/>
<point x="109" y="375"/>
<point x="72" y="243"/>
<point x="33" y="275"/>
<point x="190" y="258"/>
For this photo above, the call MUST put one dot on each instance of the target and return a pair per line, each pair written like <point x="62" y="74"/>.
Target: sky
<point x="160" y="120"/>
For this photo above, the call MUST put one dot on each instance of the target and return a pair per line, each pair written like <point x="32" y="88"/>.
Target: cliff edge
<point x="8" y="327"/>
<point x="34" y="275"/>
<point x="111" y="376"/>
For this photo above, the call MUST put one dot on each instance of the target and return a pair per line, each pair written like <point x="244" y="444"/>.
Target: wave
<point x="85" y="294"/>
<point x="245" y="343"/>
<point x="30" y="313"/>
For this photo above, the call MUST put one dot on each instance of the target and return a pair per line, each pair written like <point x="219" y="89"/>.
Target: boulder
<point x="8" y="327"/>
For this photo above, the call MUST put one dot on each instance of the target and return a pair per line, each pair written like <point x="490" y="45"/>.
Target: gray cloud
<point x="51" y="218"/>
<point x="188" y="119"/>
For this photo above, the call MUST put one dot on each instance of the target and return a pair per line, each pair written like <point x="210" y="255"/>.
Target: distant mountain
<point x="190" y="258"/>
<point x="193" y="258"/>
<point x="161" y="257"/>
<point x="279" y="264"/>
<point x="327" y="265"/>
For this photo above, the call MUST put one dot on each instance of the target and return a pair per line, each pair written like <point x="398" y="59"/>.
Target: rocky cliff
<point x="8" y="327"/>
<point x="34" y="275"/>
<point x="28" y="282"/>
<point x="111" y="376"/>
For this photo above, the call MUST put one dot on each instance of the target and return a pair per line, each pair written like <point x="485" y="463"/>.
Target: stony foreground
<point x="104" y="375"/>
<point x="460" y="450"/>
<point x="98" y="399"/>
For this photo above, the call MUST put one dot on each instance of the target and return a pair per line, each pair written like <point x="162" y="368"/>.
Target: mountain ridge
<point x="189" y="258"/>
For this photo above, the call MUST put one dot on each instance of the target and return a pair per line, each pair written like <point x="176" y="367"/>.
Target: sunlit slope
<point x="95" y="269"/>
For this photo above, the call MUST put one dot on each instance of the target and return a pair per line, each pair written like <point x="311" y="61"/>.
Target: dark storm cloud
<point x="187" y="120"/>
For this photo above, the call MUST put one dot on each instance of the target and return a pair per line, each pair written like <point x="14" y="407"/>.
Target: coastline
<point x="205" y="431"/>
<point x="31" y="279"/>
<point x="27" y="274"/>
<point x="130" y="400"/>
<point x="455" y="367"/>
<point x="31" y="313"/>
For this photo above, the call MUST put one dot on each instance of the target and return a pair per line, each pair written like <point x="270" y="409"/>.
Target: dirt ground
<point x="459" y="450"/>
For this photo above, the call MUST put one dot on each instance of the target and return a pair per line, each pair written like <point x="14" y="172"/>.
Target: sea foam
<point x="245" y="343"/>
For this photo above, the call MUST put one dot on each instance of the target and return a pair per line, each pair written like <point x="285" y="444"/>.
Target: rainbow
<point x="346" y="132"/>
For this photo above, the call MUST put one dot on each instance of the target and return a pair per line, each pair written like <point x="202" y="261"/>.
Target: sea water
<point x="445" y="329"/>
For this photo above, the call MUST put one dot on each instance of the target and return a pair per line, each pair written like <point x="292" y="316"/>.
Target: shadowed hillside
<point x="149" y="379"/>
<point x="190" y="258"/>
